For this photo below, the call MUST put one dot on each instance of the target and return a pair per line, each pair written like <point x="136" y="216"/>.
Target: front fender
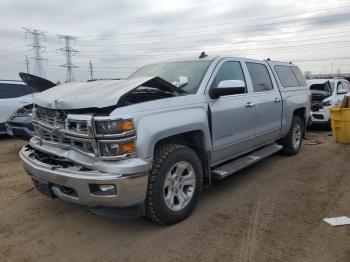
<point x="157" y="126"/>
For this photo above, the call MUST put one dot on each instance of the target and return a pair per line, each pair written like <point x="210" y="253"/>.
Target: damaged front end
<point x="319" y="108"/>
<point x="92" y="131"/>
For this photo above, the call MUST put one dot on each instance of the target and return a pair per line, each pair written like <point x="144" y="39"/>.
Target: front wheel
<point x="174" y="184"/>
<point x="292" y="142"/>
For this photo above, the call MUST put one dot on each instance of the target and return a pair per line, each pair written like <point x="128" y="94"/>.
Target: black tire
<point x="166" y="156"/>
<point x="289" y="147"/>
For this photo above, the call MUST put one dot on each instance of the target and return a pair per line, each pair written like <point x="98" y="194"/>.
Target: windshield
<point x="175" y="72"/>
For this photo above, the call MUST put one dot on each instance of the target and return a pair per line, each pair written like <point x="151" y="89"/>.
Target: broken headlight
<point x="26" y="110"/>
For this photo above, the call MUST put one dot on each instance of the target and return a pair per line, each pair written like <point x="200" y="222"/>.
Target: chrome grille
<point x="79" y="125"/>
<point x="50" y="117"/>
<point x="64" y="130"/>
<point x="65" y="141"/>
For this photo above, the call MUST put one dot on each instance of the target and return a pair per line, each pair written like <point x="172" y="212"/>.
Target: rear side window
<point x="260" y="76"/>
<point x="286" y="76"/>
<point x="14" y="90"/>
<point x="229" y="71"/>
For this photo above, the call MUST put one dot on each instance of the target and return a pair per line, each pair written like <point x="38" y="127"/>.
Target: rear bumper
<point x="130" y="189"/>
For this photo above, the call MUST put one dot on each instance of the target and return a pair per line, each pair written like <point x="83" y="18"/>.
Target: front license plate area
<point x="43" y="187"/>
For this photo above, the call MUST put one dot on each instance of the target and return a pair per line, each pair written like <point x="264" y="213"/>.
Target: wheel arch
<point x="196" y="140"/>
<point x="301" y="112"/>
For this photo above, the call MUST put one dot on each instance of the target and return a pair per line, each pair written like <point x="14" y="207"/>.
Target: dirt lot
<point x="269" y="212"/>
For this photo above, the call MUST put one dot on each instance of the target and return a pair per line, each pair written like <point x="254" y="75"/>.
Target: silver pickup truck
<point x="147" y="145"/>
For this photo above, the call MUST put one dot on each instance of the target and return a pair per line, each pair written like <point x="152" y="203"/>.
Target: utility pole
<point x="91" y="71"/>
<point x="27" y="64"/>
<point x="36" y="47"/>
<point x="68" y="51"/>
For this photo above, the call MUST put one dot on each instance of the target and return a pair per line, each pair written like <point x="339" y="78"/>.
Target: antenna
<point x="68" y="51"/>
<point x="36" y="47"/>
<point x="202" y="55"/>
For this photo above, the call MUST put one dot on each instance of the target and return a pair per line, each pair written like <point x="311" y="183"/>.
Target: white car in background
<point x="326" y="93"/>
<point x="13" y="96"/>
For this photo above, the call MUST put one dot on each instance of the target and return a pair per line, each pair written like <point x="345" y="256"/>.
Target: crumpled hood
<point x="96" y="94"/>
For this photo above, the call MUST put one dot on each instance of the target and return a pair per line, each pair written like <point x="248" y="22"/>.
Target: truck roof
<point x="219" y="57"/>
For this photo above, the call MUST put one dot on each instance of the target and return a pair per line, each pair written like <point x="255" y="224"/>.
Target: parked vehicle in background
<point x="148" y="144"/>
<point x="326" y="93"/>
<point x="13" y="96"/>
<point x="340" y="87"/>
<point x="19" y="124"/>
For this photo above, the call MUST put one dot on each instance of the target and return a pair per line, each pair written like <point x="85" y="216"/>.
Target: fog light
<point x="103" y="190"/>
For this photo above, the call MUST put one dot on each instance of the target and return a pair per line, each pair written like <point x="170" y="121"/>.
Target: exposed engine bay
<point x="319" y="92"/>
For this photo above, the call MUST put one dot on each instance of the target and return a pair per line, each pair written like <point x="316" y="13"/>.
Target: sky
<point x="121" y="36"/>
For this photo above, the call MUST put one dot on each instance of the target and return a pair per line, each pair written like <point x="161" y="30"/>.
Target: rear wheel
<point x="174" y="184"/>
<point x="292" y="142"/>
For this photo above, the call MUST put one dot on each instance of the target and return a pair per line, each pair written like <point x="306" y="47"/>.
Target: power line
<point x="68" y="51"/>
<point x="228" y="23"/>
<point x="37" y="48"/>
<point x="250" y="28"/>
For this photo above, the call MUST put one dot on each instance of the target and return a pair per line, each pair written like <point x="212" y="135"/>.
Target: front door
<point x="233" y="116"/>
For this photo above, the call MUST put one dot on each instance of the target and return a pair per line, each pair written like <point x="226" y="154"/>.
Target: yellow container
<point x="340" y="118"/>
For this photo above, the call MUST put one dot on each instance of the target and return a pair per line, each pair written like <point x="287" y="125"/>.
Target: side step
<point x="240" y="163"/>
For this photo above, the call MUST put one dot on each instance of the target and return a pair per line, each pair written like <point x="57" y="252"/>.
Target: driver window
<point x="229" y="71"/>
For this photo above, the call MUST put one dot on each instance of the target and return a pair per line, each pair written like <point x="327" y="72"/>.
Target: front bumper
<point x="21" y="126"/>
<point x="20" y="132"/>
<point x="131" y="188"/>
<point x="321" y="116"/>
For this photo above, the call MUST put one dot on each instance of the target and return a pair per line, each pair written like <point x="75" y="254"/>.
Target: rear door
<point x="233" y="117"/>
<point x="267" y="101"/>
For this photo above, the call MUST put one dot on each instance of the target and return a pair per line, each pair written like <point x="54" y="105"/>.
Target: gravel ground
<point x="271" y="211"/>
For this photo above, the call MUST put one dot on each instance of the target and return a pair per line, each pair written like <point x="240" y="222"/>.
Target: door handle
<point x="277" y="100"/>
<point x="249" y="104"/>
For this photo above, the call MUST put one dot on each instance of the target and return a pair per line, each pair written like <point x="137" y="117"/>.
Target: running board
<point x="240" y="163"/>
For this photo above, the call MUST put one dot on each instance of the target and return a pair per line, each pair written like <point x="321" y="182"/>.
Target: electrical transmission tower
<point x="36" y="47"/>
<point x="68" y="51"/>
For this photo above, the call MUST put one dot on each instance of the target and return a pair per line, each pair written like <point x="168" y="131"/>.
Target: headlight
<point x="327" y="103"/>
<point x="113" y="127"/>
<point x="115" y="137"/>
<point x="115" y="149"/>
<point x="26" y="110"/>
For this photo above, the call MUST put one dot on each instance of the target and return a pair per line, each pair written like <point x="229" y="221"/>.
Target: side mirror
<point x="342" y="91"/>
<point x="228" y="87"/>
